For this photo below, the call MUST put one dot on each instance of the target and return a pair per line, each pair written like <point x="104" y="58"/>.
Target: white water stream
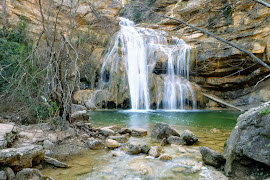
<point x="138" y="49"/>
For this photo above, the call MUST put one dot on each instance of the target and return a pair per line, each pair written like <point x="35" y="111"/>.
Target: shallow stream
<point x="211" y="127"/>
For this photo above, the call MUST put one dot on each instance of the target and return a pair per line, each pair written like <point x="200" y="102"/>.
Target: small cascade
<point x="132" y="57"/>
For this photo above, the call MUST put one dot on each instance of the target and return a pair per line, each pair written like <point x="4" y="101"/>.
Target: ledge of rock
<point x="8" y="134"/>
<point x="247" y="149"/>
<point x="23" y="157"/>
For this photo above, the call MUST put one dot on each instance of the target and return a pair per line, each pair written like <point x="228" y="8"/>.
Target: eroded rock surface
<point x="8" y="133"/>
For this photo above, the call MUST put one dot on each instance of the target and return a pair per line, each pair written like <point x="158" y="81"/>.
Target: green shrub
<point x="265" y="111"/>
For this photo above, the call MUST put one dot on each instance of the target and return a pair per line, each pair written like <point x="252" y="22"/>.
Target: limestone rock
<point x="23" y="157"/>
<point x="95" y="144"/>
<point x="10" y="173"/>
<point x="107" y="132"/>
<point x="211" y="157"/>
<point x="189" y="137"/>
<point x="29" y="173"/>
<point x="175" y="140"/>
<point x="117" y="153"/>
<point x="155" y="151"/>
<point x="8" y="134"/>
<point x="132" y="148"/>
<point x="165" y="157"/>
<point x="120" y="139"/>
<point x="139" y="132"/>
<point x="3" y="175"/>
<point x="145" y="148"/>
<point x="247" y="149"/>
<point x="162" y="130"/>
<point x="124" y="131"/>
<point x="80" y="115"/>
<point x="111" y="144"/>
<point x="77" y="107"/>
<point x="54" y="162"/>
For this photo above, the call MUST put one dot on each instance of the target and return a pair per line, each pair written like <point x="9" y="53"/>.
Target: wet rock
<point x="181" y="149"/>
<point x="117" y="153"/>
<point x="132" y="148"/>
<point x="139" y="132"/>
<point x="54" y="162"/>
<point x="111" y="144"/>
<point x="114" y="128"/>
<point x="211" y="157"/>
<point x="29" y="173"/>
<point x="8" y="134"/>
<point x="124" y="131"/>
<point x="189" y="137"/>
<point x="77" y="107"/>
<point x="165" y="157"/>
<point x="120" y="139"/>
<point x="163" y="142"/>
<point x="3" y="175"/>
<point x="175" y="140"/>
<point x="155" y="151"/>
<point x="162" y="130"/>
<point x="145" y="148"/>
<point x="80" y="115"/>
<point x="23" y="157"/>
<point x="247" y="149"/>
<point x="95" y="144"/>
<point x="107" y="132"/>
<point x="10" y="173"/>
<point x="47" y="144"/>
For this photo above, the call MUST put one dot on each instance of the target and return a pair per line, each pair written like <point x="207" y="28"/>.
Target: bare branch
<point x="263" y="3"/>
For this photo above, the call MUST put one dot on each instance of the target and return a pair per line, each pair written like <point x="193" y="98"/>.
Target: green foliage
<point x="265" y="111"/>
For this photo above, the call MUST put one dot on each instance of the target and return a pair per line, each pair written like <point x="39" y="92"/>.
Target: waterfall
<point x="137" y="50"/>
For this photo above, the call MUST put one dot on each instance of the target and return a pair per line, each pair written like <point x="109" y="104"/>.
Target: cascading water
<point x="136" y="49"/>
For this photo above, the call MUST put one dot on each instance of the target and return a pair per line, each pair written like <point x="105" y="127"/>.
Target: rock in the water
<point x="247" y="150"/>
<point x="77" y="107"/>
<point x="8" y="133"/>
<point x="175" y="140"/>
<point x="165" y="157"/>
<point x="47" y="144"/>
<point x="80" y="115"/>
<point x="162" y="130"/>
<point x="120" y="139"/>
<point x="163" y="142"/>
<point x="10" y="173"/>
<point x="118" y="153"/>
<point x="29" y="173"/>
<point x="155" y="151"/>
<point x="124" y="131"/>
<point x="189" y="137"/>
<point x="95" y="144"/>
<point x="211" y="157"/>
<point x="23" y="157"/>
<point x="3" y="175"/>
<point x="139" y="132"/>
<point x="145" y="148"/>
<point x="111" y="144"/>
<point x="107" y="132"/>
<point x="54" y="162"/>
<point x="132" y="148"/>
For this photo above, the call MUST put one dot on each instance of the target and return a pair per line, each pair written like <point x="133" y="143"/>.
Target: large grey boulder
<point x="162" y="130"/>
<point x="211" y="157"/>
<point x="29" y="173"/>
<point x="23" y="157"/>
<point x="188" y="137"/>
<point x="175" y="140"/>
<point x="8" y="134"/>
<point x="95" y="144"/>
<point x="132" y="148"/>
<point x="247" y="149"/>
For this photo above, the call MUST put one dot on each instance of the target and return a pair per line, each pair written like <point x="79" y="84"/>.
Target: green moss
<point x="265" y="111"/>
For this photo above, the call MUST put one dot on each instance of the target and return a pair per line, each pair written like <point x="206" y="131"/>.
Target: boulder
<point x="80" y="115"/>
<point x="188" y="137"/>
<point x="139" y="132"/>
<point x="95" y="144"/>
<point x="132" y="148"/>
<point x="162" y="130"/>
<point x="155" y="151"/>
<point x="247" y="150"/>
<point x="145" y="148"/>
<point x="29" y="173"/>
<point x="211" y="157"/>
<point x="124" y="131"/>
<point x="23" y="157"/>
<point x="175" y="140"/>
<point x="54" y="162"/>
<point x="3" y="175"/>
<point x="8" y="134"/>
<point x="77" y="107"/>
<point x="107" y="132"/>
<point x="111" y="144"/>
<point x="120" y="139"/>
<point x="165" y="157"/>
<point x="10" y="173"/>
